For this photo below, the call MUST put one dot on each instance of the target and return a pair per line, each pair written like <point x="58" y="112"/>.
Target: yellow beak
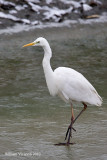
<point x="29" y="44"/>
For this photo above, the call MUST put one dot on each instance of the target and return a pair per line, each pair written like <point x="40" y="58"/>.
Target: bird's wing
<point x="74" y="86"/>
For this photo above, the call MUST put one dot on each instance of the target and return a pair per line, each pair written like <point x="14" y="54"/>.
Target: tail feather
<point x="100" y="101"/>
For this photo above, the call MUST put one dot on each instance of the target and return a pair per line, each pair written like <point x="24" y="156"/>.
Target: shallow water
<point x="31" y="121"/>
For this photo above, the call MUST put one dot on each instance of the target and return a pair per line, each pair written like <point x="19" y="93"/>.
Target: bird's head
<point x="38" y="42"/>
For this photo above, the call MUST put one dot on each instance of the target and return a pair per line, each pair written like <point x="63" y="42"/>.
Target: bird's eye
<point x="38" y="42"/>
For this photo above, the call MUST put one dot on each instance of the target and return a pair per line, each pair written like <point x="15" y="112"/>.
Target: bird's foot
<point x="63" y="144"/>
<point x="68" y="135"/>
<point x="69" y="131"/>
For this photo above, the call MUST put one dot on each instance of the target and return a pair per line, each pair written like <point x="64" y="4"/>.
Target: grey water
<point x="31" y="121"/>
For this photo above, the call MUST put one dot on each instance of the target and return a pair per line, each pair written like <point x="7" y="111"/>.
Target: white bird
<point x="68" y="84"/>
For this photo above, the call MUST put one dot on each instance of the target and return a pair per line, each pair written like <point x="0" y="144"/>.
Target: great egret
<point x="68" y="84"/>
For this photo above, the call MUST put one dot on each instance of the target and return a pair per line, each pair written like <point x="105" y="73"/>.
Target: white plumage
<point x="65" y="82"/>
<point x="73" y="86"/>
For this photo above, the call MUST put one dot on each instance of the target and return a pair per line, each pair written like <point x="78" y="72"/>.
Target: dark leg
<point x="71" y="124"/>
<point x="85" y="106"/>
<point x="69" y="130"/>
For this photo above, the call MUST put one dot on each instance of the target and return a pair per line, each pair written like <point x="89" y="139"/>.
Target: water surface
<point x="31" y="121"/>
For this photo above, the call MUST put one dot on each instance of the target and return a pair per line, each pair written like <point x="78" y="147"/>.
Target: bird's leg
<point x="69" y="131"/>
<point x="71" y="124"/>
<point x="72" y="113"/>
<point x="85" y="106"/>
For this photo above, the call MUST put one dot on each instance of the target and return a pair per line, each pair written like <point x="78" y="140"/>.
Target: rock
<point x="33" y="12"/>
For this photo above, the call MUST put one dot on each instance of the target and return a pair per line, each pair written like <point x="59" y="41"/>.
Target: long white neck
<point x="49" y="74"/>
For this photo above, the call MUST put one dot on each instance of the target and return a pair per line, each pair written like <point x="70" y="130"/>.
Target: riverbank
<point x="24" y="15"/>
